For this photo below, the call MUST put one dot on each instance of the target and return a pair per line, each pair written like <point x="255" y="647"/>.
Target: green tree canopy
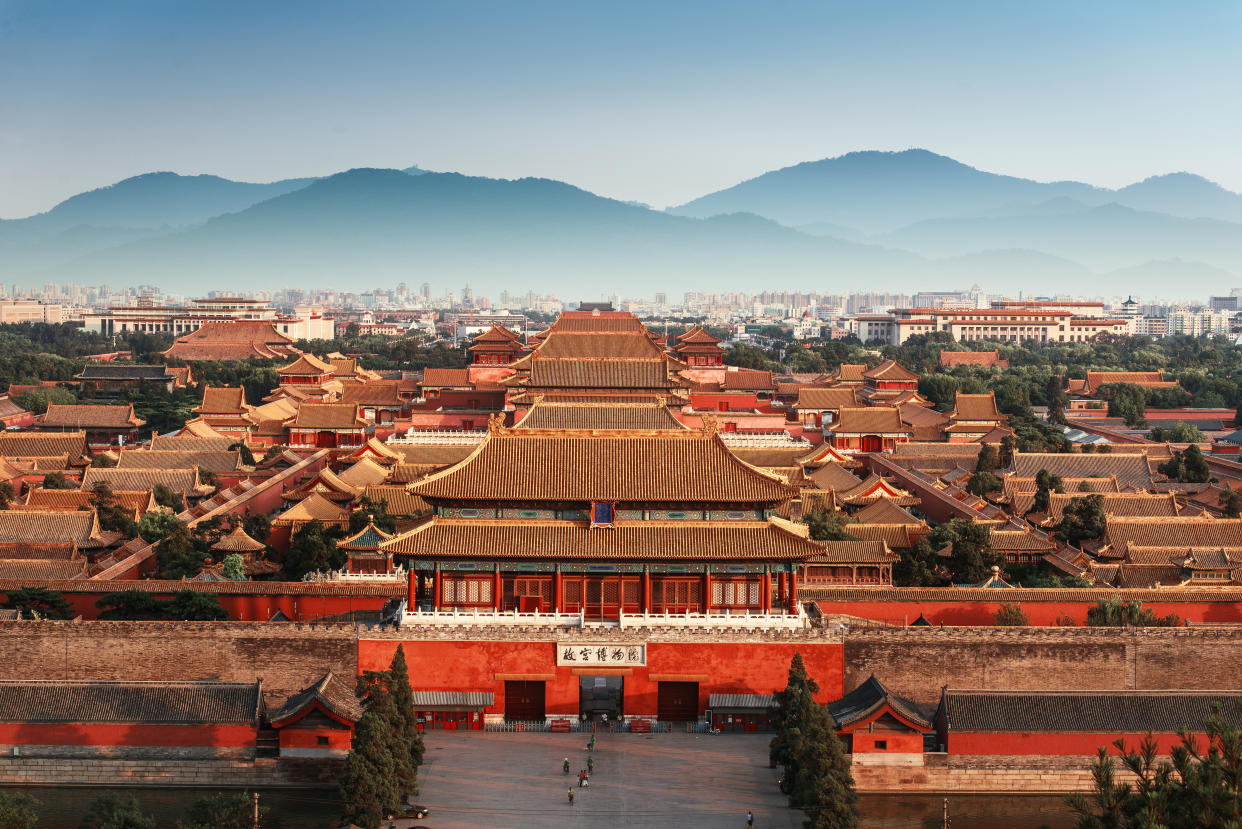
<point x="1081" y="520"/>
<point x="129" y="606"/>
<point x="223" y="811"/>
<point x="39" y="602"/>
<point x="112" y="811"/>
<point x="19" y="810"/>
<point x="37" y="400"/>
<point x="312" y="548"/>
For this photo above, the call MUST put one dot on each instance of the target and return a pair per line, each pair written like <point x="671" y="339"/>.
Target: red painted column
<point x="780" y="587"/>
<point x="793" y="591"/>
<point x="646" y="589"/>
<point x="411" y="582"/>
<point x="707" y="590"/>
<point x="558" y="591"/>
<point x="765" y="592"/>
<point x="496" y="588"/>
<point x="435" y="602"/>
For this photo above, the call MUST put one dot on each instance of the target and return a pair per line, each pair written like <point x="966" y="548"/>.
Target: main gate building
<point x="585" y="572"/>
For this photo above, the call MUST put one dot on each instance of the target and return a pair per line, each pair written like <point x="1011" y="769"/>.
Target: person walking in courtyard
<point x="571" y="797"/>
<point x="565" y="766"/>
<point x="590" y="765"/>
<point x="591" y="744"/>
<point x="750" y="820"/>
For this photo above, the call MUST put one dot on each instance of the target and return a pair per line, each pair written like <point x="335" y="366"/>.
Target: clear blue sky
<point x="659" y="102"/>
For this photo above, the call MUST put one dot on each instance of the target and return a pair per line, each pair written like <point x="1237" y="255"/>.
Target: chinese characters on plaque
<point x="581" y="654"/>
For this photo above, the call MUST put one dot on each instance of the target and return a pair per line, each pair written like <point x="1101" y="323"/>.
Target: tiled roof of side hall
<point x="84" y="416"/>
<point x="182" y="481"/>
<point x="1099" y="712"/>
<point x="630" y="466"/>
<point x="1132" y="471"/>
<point x="146" y="703"/>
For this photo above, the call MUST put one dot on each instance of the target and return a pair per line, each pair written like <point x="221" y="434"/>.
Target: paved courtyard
<point x="657" y="780"/>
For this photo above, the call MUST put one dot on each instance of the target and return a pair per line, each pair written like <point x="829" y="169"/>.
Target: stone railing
<point x="398" y="575"/>
<point x="725" y="619"/>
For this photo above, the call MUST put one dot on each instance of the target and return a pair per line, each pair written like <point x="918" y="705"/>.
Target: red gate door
<point x="678" y="701"/>
<point x="524" y="701"/>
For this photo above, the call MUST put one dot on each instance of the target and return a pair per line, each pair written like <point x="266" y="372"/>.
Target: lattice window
<point x="629" y="592"/>
<point x="573" y="591"/>
<point x="611" y="592"/>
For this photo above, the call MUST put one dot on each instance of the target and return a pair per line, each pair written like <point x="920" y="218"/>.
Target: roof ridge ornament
<point x="711" y="426"/>
<point x="496" y="424"/>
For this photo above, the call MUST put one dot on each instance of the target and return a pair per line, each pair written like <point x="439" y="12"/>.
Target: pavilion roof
<point x="368" y="538"/>
<point x="835" y="397"/>
<point x="307" y="365"/>
<point x="332" y="692"/>
<point x="223" y="400"/>
<point x="747" y="379"/>
<point x="631" y="466"/>
<point x="976" y="407"/>
<point x="327" y="416"/>
<point x="889" y="370"/>
<point x="624" y="540"/>
<point x="233" y="340"/>
<point x="869" y="420"/>
<point x="849" y="373"/>
<point x="238" y="541"/>
<point x="870" y="698"/>
<point x="496" y="334"/>
<point x="313" y="508"/>
<point x="364" y="472"/>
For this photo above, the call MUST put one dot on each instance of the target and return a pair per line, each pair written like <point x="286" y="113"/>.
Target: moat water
<point x="314" y="809"/>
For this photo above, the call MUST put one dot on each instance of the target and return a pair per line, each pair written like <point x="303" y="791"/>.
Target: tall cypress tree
<point x="817" y="771"/>
<point x="370" y="787"/>
<point x="403" y="702"/>
<point x="823" y="786"/>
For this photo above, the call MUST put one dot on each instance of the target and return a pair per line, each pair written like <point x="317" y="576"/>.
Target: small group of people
<point x="584" y="775"/>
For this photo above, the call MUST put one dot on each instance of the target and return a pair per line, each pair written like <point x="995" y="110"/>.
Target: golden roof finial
<point x="495" y="424"/>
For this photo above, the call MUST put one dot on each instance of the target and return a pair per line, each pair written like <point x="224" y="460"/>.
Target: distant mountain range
<point x="869" y="220"/>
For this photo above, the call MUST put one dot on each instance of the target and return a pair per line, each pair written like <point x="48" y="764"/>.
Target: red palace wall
<point x="756" y="667"/>
<point x="983" y="614"/>
<point x="1084" y="744"/>
<point x="114" y="734"/>
<point x="308" y="738"/>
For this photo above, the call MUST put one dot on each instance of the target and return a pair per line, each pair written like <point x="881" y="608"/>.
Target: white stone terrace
<point x="722" y="620"/>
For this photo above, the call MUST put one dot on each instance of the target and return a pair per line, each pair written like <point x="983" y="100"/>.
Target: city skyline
<point x="657" y="105"/>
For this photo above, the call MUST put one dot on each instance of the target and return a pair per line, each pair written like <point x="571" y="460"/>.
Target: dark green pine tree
<point x="369" y="786"/>
<point x="403" y="703"/>
<point x="823" y="786"/>
<point x="785" y="716"/>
